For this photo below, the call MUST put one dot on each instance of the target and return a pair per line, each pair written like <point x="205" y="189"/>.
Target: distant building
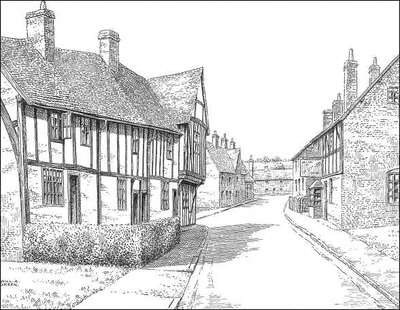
<point x="228" y="182"/>
<point x="356" y="155"/>
<point x="271" y="178"/>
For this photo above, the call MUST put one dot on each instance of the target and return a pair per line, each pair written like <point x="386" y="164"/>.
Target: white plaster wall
<point x="42" y="125"/>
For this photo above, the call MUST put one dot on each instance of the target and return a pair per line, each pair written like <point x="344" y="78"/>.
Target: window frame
<point x="55" y="126"/>
<point x="66" y="123"/>
<point x="135" y="140"/>
<point x="85" y="128"/>
<point x="393" y="94"/>
<point x="169" y="148"/>
<point x="391" y="186"/>
<point x="330" y="198"/>
<point x="49" y="186"/>
<point x="121" y="194"/>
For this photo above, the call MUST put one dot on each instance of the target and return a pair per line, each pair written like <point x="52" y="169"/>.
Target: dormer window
<point x="393" y="94"/>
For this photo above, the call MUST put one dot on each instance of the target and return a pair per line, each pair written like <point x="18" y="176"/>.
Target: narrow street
<point x="254" y="259"/>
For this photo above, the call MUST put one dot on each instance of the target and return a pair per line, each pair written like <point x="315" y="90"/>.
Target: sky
<point x="271" y="68"/>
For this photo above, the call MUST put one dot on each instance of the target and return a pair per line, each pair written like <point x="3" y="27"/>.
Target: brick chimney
<point x="109" y="48"/>
<point x="224" y="141"/>
<point x="374" y="70"/>
<point x="232" y="144"/>
<point x="327" y="117"/>
<point x="337" y="107"/>
<point x="215" y="139"/>
<point x="350" y="80"/>
<point x="40" y="31"/>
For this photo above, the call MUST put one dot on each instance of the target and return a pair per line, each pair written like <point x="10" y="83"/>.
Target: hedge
<point x="124" y="245"/>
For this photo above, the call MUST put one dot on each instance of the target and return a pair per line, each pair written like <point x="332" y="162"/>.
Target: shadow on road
<point x="182" y="254"/>
<point x="227" y="242"/>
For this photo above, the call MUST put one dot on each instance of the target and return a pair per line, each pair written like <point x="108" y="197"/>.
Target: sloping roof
<point x="350" y="109"/>
<point x="81" y="82"/>
<point x="178" y="92"/>
<point x="221" y="159"/>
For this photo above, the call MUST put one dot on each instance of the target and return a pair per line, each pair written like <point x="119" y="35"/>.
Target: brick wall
<point x="371" y="137"/>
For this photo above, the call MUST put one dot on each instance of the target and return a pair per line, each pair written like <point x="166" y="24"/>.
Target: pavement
<point x="370" y="265"/>
<point x="206" y="213"/>
<point x="158" y="285"/>
<point x="253" y="258"/>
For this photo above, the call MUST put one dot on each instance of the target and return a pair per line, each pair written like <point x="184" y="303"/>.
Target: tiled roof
<point x="350" y="109"/>
<point x="178" y="92"/>
<point x="81" y="82"/>
<point x="221" y="159"/>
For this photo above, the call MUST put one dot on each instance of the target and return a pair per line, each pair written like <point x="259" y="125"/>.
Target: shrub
<point x="125" y="245"/>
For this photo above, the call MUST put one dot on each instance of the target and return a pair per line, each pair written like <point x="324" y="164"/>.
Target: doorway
<point x="135" y="207"/>
<point x="143" y="215"/>
<point x="175" y="203"/>
<point x="74" y="214"/>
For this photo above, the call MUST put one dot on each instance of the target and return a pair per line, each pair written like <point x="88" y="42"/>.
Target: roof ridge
<point x="351" y="108"/>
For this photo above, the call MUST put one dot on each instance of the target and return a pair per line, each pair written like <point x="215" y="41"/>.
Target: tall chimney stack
<point x="337" y="107"/>
<point x="40" y="31"/>
<point x="215" y="139"/>
<point x="327" y="118"/>
<point x="109" y="48"/>
<point x="350" y="81"/>
<point x="374" y="70"/>
<point x="232" y="144"/>
<point x="224" y="141"/>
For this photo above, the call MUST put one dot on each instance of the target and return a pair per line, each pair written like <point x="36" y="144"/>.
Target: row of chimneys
<point x="339" y="106"/>
<point x="224" y="141"/>
<point x="40" y="32"/>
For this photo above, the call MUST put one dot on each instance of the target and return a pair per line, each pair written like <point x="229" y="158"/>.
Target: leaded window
<point x="55" y="126"/>
<point x="53" y="190"/>
<point x="85" y="131"/>
<point x="393" y="94"/>
<point x="135" y="141"/>
<point x="169" y="148"/>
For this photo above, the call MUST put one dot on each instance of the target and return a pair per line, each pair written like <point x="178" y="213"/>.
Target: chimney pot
<point x="215" y="139"/>
<point x="374" y="70"/>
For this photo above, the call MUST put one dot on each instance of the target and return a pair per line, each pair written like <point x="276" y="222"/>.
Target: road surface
<point x="254" y="259"/>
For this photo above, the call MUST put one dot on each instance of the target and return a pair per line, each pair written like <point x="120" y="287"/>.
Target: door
<point x="74" y="201"/>
<point x="143" y="214"/>
<point x="135" y="207"/>
<point x="175" y="203"/>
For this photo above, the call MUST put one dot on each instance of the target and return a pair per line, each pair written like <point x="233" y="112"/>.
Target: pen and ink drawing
<point x="117" y="191"/>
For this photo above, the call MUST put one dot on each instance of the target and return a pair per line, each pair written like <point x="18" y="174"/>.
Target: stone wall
<point x="371" y="137"/>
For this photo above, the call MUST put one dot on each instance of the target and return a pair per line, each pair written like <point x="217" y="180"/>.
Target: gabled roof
<point x="221" y="159"/>
<point x="179" y="93"/>
<point x="350" y="109"/>
<point x="81" y="82"/>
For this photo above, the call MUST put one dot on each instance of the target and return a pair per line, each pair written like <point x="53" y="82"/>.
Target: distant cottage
<point x="271" y="178"/>
<point x="355" y="159"/>
<point x="87" y="140"/>
<point x="228" y="181"/>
